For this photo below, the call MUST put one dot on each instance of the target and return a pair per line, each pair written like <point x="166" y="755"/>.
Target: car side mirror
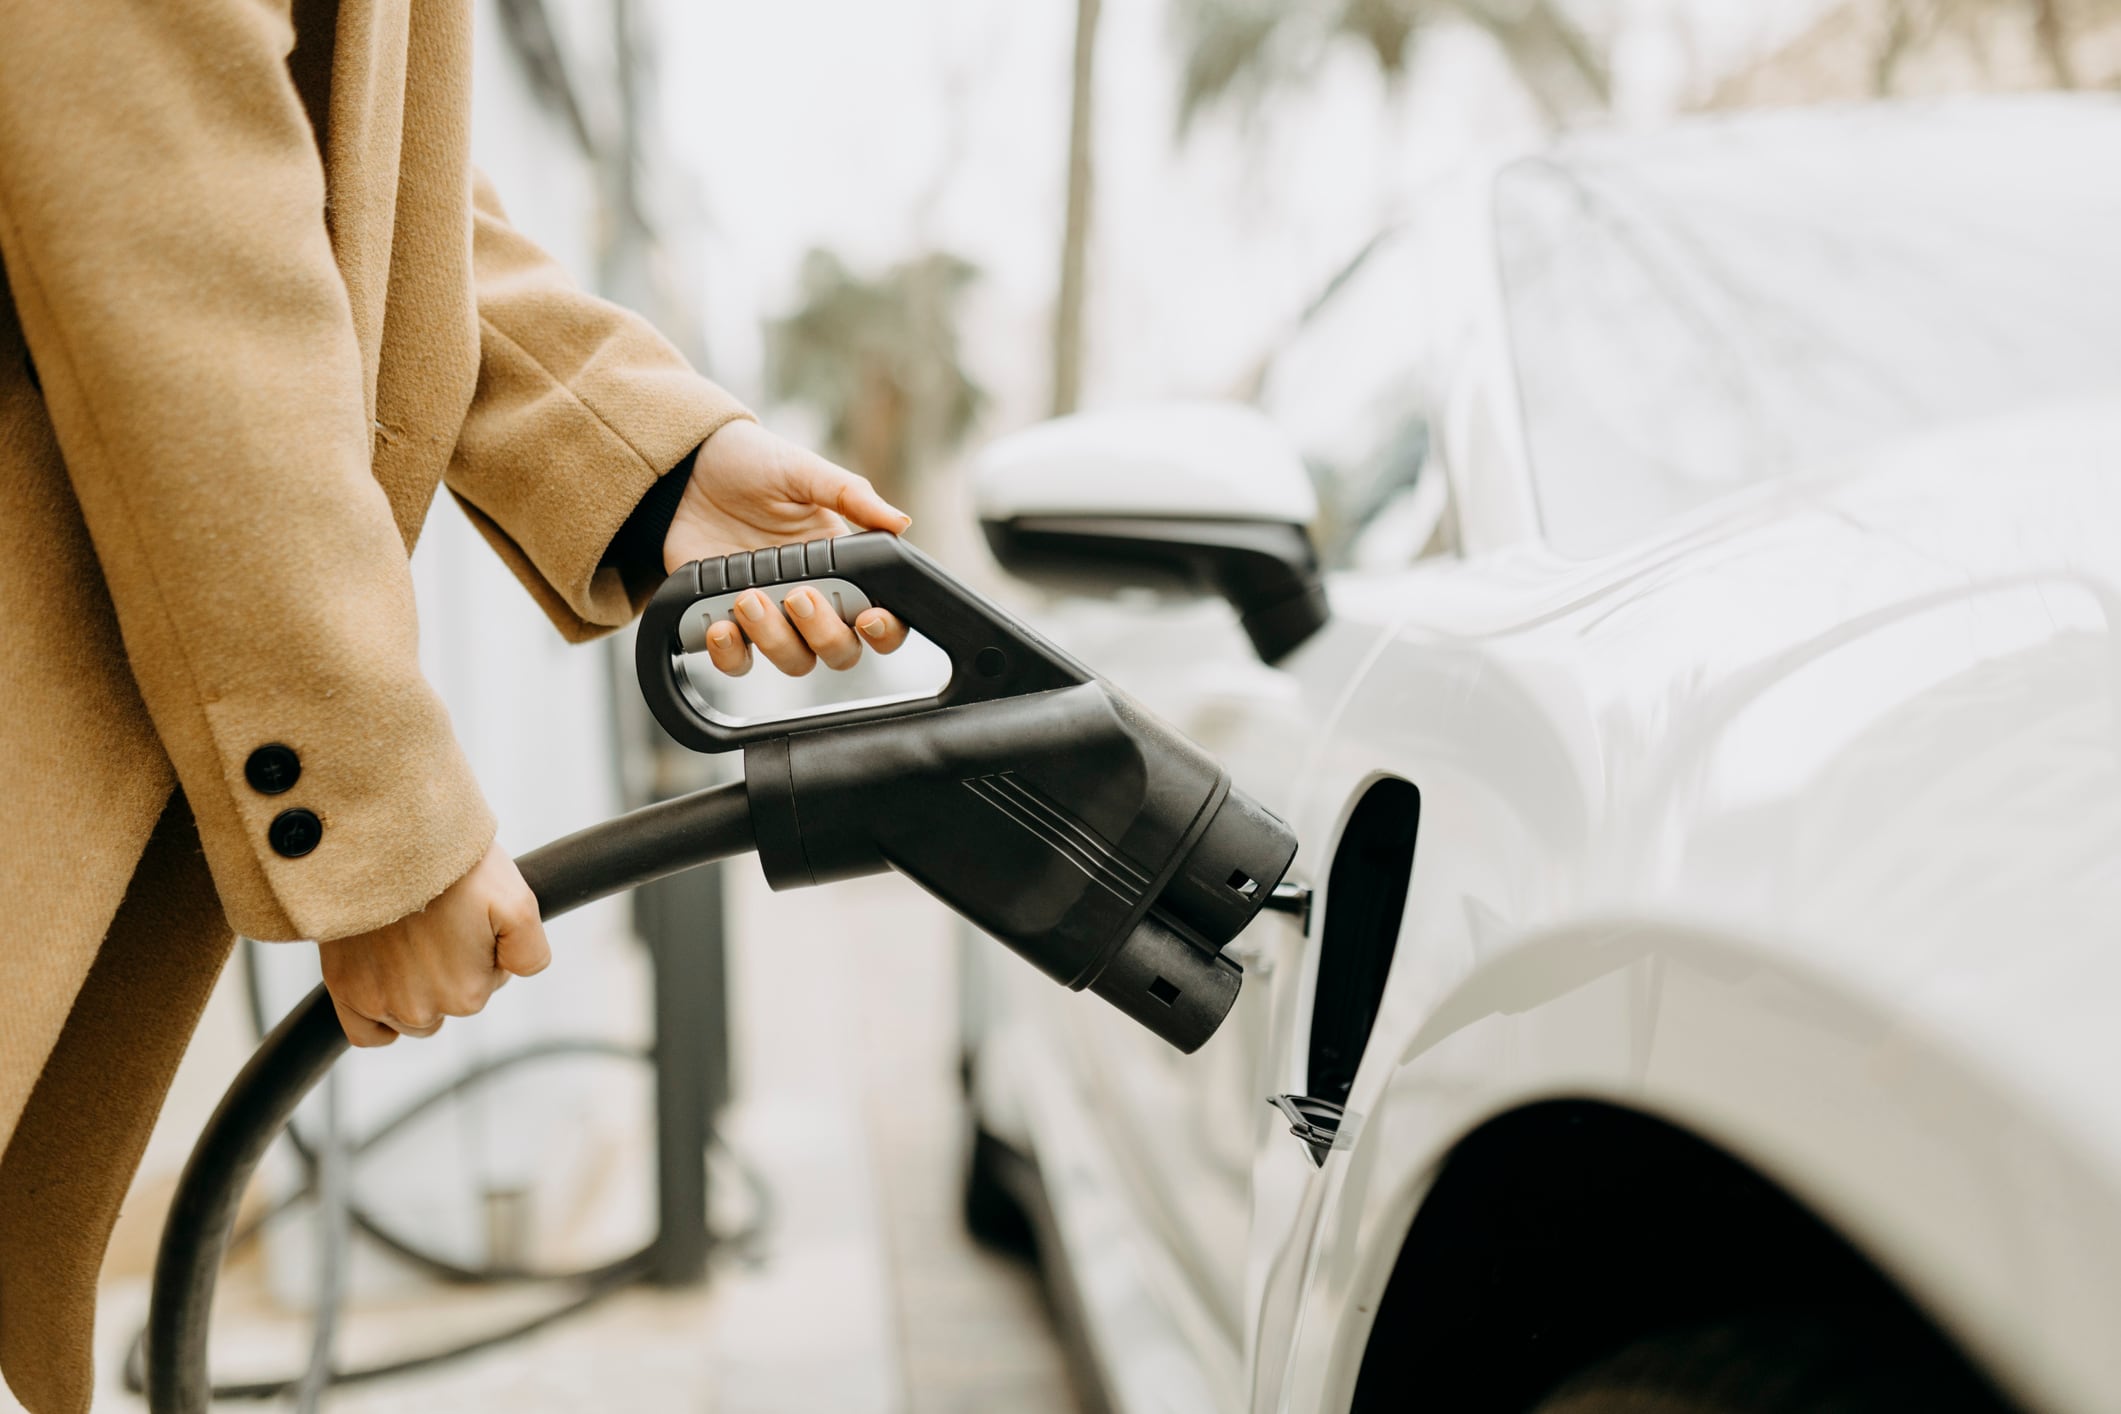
<point x="1197" y="498"/>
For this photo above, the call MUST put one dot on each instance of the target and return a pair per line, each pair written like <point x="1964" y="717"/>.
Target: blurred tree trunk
<point x="1075" y="232"/>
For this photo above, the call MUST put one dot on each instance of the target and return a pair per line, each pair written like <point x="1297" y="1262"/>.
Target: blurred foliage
<point x="1230" y="52"/>
<point x="879" y="360"/>
<point x="1242" y="50"/>
<point x="1862" y="49"/>
<point x="2055" y="25"/>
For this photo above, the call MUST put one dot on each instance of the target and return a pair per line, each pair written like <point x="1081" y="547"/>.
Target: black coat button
<point x="295" y="833"/>
<point x="272" y="770"/>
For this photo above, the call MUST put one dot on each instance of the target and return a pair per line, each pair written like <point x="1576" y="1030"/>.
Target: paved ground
<point x="867" y="1296"/>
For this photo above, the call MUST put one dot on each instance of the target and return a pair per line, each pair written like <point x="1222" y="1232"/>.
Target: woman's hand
<point x="749" y="488"/>
<point x="445" y="960"/>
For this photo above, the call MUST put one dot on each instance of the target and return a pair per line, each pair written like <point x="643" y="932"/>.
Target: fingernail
<point x="800" y="605"/>
<point x="722" y="635"/>
<point x="753" y="607"/>
<point x="873" y="627"/>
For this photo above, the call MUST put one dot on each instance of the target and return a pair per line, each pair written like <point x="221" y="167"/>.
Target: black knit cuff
<point x="636" y="552"/>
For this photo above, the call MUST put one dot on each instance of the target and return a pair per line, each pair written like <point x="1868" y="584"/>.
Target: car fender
<point x="1987" y="1212"/>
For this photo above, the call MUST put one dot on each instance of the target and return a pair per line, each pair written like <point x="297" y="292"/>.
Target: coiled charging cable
<point x="168" y="1360"/>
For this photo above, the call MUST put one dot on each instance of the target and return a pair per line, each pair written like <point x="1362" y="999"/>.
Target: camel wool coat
<point x="257" y="307"/>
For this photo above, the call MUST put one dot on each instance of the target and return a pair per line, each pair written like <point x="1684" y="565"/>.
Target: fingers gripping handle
<point x="847" y="604"/>
<point x="992" y="655"/>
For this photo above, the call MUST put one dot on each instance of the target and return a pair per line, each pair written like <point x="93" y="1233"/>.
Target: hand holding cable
<point x="446" y="960"/>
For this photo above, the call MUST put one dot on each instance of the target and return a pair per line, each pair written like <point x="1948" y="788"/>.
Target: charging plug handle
<point x="992" y="654"/>
<point x="1031" y="796"/>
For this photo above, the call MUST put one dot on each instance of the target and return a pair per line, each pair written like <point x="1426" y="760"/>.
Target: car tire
<point x="1779" y="1365"/>
<point x="993" y="1214"/>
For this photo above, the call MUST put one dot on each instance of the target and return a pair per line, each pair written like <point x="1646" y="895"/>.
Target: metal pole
<point x="680" y="919"/>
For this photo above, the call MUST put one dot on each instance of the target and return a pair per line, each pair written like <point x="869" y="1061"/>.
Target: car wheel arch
<point x="1567" y="1229"/>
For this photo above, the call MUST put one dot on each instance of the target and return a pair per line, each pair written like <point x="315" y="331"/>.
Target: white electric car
<point x="1708" y="993"/>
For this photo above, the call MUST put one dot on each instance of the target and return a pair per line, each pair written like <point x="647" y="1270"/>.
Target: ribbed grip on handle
<point x="992" y="655"/>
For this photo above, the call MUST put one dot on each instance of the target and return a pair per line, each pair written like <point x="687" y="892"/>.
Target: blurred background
<point x="897" y="231"/>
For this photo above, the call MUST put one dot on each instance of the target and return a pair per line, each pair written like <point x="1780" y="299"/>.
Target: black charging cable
<point x="327" y="1169"/>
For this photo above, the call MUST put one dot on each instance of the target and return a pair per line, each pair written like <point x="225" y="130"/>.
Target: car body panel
<point x="1802" y="828"/>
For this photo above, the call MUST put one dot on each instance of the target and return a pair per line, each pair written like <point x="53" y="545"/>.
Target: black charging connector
<point x="1029" y="795"/>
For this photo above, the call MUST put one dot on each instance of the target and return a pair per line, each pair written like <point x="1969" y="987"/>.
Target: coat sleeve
<point x="581" y="408"/>
<point x="163" y="229"/>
